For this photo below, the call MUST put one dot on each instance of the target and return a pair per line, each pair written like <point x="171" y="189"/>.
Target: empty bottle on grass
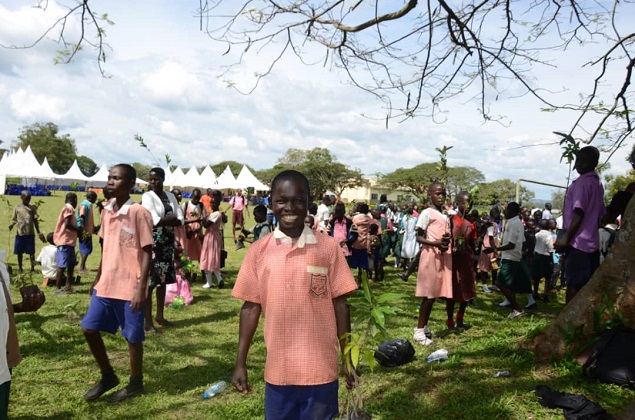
<point x="441" y="354"/>
<point x="215" y="389"/>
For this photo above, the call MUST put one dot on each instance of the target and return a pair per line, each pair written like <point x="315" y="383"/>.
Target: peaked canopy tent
<point x="226" y="180"/>
<point x="246" y="179"/>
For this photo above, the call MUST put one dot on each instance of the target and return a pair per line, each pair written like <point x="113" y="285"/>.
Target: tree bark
<point x="615" y="277"/>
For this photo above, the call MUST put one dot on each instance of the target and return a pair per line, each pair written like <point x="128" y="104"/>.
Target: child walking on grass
<point x="463" y="282"/>
<point x="65" y="238"/>
<point x="434" y="278"/>
<point x="120" y="289"/>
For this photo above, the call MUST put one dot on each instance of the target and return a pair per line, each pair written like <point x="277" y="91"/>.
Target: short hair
<point x="217" y="194"/>
<point x="130" y="172"/>
<point x="260" y="209"/>
<point x="49" y="238"/>
<point x="544" y="224"/>
<point x="363" y="208"/>
<point x="25" y="192"/>
<point x="91" y="194"/>
<point x="196" y="190"/>
<point x="292" y="175"/>
<point x="513" y="207"/>
<point x="159" y="171"/>
<point x="590" y="153"/>
<point x="69" y="196"/>
<point x="313" y="208"/>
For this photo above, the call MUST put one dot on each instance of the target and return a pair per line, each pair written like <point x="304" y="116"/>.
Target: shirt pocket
<point x="127" y="237"/>
<point x="318" y="282"/>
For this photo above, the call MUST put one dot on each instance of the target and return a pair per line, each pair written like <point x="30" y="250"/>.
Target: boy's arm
<point x="140" y="294"/>
<point x="249" y="316"/>
<point x="70" y="222"/>
<point x="343" y="322"/>
<point x="14" y="218"/>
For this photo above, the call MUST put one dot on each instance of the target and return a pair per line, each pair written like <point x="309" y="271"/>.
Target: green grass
<point x="58" y="368"/>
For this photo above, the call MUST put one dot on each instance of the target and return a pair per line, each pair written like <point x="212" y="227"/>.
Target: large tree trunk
<point x="614" y="278"/>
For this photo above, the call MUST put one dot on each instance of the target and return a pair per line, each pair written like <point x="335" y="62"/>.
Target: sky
<point x="165" y="82"/>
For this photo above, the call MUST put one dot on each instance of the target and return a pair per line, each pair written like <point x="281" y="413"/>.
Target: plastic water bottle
<point x="215" y="389"/>
<point x="441" y="354"/>
<point x="501" y="373"/>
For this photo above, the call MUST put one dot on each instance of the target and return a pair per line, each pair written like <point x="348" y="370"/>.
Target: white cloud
<point x="37" y="106"/>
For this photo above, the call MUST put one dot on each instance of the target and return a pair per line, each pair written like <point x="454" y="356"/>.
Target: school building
<point x="370" y="192"/>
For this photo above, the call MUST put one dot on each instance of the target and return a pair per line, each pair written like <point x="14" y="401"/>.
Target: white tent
<point x="226" y="180"/>
<point x="177" y="178"/>
<point x="101" y="177"/>
<point x="47" y="171"/>
<point x="208" y="178"/>
<point x="246" y="179"/>
<point x="74" y="173"/>
<point x="191" y="178"/>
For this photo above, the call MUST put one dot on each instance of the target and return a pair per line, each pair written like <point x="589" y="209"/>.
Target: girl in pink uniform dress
<point x="213" y="243"/>
<point x="434" y="278"/>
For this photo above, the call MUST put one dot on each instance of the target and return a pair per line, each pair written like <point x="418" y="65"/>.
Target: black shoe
<point x="221" y="284"/>
<point x="402" y="276"/>
<point x="101" y="387"/>
<point x="129" y="391"/>
<point x="532" y="306"/>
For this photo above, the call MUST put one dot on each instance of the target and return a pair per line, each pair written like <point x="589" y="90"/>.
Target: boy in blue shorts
<point x="86" y="221"/>
<point x="120" y="288"/>
<point x="65" y="238"/>
<point x="26" y="217"/>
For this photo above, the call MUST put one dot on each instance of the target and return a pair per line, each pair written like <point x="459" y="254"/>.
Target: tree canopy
<point x="60" y="149"/>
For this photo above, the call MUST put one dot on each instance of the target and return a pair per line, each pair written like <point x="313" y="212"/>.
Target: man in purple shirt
<point x="583" y="207"/>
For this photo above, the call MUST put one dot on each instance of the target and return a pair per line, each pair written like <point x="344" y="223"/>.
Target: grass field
<point x="179" y="365"/>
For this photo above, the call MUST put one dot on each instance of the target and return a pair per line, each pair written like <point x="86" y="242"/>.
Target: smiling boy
<point x="299" y="280"/>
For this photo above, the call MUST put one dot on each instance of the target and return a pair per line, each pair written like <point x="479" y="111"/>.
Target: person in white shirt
<point x="47" y="260"/>
<point x="324" y="212"/>
<point x="513" y="276"/>
<point x="543" y="258"/>
<point x="546" y="213"/>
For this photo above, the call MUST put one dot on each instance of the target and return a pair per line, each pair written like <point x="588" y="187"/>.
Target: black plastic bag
<point x="613" y="360"/>
<point x="394" y="352"/>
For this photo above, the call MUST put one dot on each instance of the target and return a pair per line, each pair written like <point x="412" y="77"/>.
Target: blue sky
<point x="166" y="83"/>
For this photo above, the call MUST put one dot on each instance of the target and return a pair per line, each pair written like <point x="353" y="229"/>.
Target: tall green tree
<point x="414" y="180"/>
<point x="321" y="168"/>
<point x="46" y="141"/>
<point x="87" y="165"/>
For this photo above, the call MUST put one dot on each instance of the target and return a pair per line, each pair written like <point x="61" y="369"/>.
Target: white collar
<point x="123" y="210"/>
<point x="306" y="237"/>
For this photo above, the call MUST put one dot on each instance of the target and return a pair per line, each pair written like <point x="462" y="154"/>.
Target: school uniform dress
<point x="409" y="245"/>
<point x="485" y="260"/>
<point x="212" y="243"/>
<point x="192" y="244"/>
<point x="434" y="278"/>
<point x="463" y="281"/>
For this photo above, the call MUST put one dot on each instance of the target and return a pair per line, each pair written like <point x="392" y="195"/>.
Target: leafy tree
<point x="462" y="178"/>
<point x="45" y="141"/>
<point x="557" y="199"/>
<point x="500" y="192"/>
<point x="142" y="170"/>
<point x="320" y="167"/>
<point x="615" y="183"/>
<point x="87" y="165"/>
<point x="414" y="180"/>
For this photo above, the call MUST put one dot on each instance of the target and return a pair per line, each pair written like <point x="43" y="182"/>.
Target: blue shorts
<point x="359" y="258"/>
<point x="65" y="256"/>
<point x="106" y="314"/>
<point x="579" y="266"/>
<point x="301" y="402"/>
<point x="24" y="245"/>
<point x="86" y="246"/>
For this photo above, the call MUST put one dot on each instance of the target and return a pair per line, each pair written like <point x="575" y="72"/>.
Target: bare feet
<point x="150" y="329"/>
